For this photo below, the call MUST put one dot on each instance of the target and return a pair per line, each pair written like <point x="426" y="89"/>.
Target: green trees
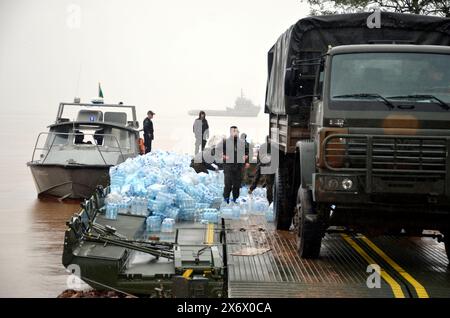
<point x="426" y="7"/>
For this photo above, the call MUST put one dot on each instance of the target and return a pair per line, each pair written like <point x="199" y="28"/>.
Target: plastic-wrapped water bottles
<point x="143" y="206"/>
<point x="187" y="214"/>
<point x="167" y="225"/>
<point x="117" y="179"/>
<point x="111" y="211"/>
<point x="250" y="204"/>
<point x="154" y="189"/>
<point x="165" y="197"/>
<point x="244" y="191"/>
<point x="236" y="211"/>
<point x="124" y="205"/>
<point x="138" y="187"/>
<point x="226" y="210"/>
<point x="227" y="213"/>
<point x="187" y="203"/>
<point x="210" y="216"/>
<point x="243" y="206"/>
<point x="139" y="206"/>
<point x="153" y="223"/>
<point x="217" y="201"/>
<point x="200" y="205"/>
<point x="260" y="206"/>
<point x="269" y="213"/>
<point x="165" y="184"/>
<point x="172" y="213"/>
<point x="159" y="206"/>
<point x="203" y="178"/>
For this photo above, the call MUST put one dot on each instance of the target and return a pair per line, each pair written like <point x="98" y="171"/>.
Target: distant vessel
<point x="243" y="107"/>
<point x="73" y="157"/>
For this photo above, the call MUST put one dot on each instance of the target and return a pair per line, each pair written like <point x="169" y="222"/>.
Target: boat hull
<point x="68" y="181"/>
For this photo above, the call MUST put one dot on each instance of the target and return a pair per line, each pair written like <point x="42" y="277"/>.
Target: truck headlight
<point x="338" y="183"/>
<point x="332" y="184"/>
<point x="347" y="184"/>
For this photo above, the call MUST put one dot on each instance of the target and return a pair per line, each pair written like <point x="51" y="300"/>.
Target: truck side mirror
<point x="318" y="86"/>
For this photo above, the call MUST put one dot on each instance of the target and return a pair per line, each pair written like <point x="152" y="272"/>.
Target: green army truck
<point x="359" y="108"/>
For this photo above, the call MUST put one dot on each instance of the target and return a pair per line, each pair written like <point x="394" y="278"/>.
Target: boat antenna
<point x="78" y="80"/>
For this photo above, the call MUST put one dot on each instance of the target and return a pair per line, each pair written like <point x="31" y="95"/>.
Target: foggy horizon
<point x="168" y="57"/>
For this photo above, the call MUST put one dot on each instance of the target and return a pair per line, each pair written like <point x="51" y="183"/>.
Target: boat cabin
<point x="110" y="131"/>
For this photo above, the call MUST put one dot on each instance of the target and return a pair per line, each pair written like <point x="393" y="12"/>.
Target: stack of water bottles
<point x="248" y="204"/>
<point x="162" y="186"/>
<point x="115" y="203"/>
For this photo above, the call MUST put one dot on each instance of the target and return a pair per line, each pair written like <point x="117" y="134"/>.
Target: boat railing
<point x="46" y="148"/>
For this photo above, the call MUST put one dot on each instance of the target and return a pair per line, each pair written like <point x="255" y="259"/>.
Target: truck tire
<point x="310" y="227"/>
<point x="447" y="244"/>
<point x="283" y="206"/>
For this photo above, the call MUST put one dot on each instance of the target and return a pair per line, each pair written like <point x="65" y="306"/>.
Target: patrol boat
<point x="74" y="156"/>
<point x="243" y="107"/>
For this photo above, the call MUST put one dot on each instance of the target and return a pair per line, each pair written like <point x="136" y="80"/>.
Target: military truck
<point x="359" y="108"/>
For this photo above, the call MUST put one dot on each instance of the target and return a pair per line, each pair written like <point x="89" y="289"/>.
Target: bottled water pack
<point x="161" y="185"/>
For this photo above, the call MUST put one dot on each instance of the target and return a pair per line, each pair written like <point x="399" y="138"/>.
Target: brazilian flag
<point x="100" y="92"/>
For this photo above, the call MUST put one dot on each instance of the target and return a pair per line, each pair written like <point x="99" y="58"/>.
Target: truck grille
<point x="386" y="153"/>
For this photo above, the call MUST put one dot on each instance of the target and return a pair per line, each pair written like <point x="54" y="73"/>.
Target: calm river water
<point x="32" y="230"/>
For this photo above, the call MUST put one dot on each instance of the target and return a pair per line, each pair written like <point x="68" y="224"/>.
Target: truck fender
<point x="306" y="151"/>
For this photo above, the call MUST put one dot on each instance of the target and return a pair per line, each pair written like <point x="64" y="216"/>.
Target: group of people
<point x="232" y="154"/>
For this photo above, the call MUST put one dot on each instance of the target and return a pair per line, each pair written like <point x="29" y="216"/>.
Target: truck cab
<point x="377" y="160"/>
<point x="362" y="126"/>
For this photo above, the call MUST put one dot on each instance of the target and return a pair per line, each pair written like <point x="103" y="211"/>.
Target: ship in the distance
<point x="243" y="107"/>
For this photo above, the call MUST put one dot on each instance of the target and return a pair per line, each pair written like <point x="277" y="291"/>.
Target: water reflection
<point x="32" y="230"/>
<point x="32" y="241"/>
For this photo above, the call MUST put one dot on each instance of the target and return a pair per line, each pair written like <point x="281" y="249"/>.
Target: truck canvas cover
<point x="309" y="38"/>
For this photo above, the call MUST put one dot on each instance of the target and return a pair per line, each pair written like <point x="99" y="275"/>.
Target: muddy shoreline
<point x="92" y="293"/>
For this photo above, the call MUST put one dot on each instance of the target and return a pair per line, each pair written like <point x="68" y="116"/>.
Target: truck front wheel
<point x="310" y="226"/>
<point x="447" y="244"/>
<point x="282" y="206"/>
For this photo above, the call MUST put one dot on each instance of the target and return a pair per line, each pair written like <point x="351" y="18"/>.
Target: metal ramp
<point x="341" y="271"/>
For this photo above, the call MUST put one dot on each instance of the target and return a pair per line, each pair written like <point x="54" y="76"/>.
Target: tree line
<point x="425" y="7"/>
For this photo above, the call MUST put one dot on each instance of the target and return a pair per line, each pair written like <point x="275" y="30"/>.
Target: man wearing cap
<point x="148" y="131"/>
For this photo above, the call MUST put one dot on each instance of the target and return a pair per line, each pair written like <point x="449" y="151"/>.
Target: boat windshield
<point x="87" y="137"/>
<point x="103" y="136"/>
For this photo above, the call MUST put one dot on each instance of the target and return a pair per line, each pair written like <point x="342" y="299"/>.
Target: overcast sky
<point x="168" y="56"/>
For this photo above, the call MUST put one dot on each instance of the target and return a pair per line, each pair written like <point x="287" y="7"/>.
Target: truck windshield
<point x="373" y="80"/>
